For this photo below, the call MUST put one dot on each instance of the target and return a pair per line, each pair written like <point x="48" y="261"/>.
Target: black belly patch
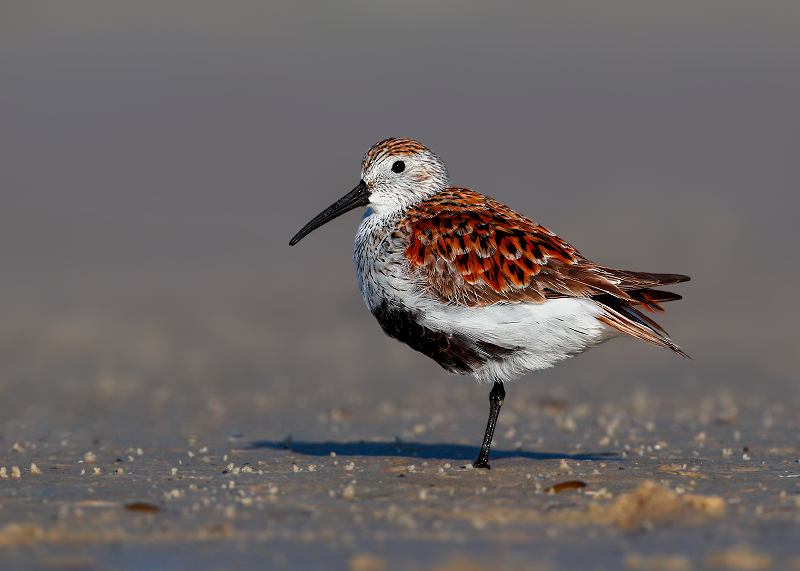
<point x="453" y="352"/>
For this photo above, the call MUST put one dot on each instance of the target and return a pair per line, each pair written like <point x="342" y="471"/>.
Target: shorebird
<point x="476" y="286"/>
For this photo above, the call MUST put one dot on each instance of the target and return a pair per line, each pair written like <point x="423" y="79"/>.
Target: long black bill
<point x="359" y="196"/>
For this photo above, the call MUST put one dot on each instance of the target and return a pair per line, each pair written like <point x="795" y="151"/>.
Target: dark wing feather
<point x="471" y="250"/>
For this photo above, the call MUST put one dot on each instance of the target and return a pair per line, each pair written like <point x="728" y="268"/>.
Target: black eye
<point x="398" y="166"/>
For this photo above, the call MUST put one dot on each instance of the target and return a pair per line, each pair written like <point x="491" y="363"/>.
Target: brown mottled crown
<point x="393" y="146"/>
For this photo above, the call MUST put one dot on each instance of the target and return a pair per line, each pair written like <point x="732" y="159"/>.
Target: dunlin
<point x="476" y="286"/>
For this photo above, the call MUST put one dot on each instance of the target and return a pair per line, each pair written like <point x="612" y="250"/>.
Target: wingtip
<point x="680" y="352"/>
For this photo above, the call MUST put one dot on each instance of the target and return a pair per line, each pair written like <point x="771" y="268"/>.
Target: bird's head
<point x="395" y="174"/>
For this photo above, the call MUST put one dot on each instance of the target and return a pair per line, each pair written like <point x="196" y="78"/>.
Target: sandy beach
<point x="180" y="389"/>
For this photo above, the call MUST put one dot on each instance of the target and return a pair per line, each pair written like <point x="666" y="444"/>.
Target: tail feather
<point x="653" y="298"/>
<point x="637" y="280"/>
<point x="621" y="315"/>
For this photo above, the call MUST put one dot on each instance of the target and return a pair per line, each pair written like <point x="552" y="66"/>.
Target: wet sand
<point x="168" y="440"/>
<point x="174" y="378"/>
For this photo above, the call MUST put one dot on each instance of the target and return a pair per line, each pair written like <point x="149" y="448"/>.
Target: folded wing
<point x="470" y="250"/>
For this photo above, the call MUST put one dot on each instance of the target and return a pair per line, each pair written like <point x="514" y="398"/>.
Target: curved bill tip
<point x="359" y="196"/>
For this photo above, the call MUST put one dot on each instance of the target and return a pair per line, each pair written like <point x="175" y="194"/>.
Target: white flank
<point x="545" y="333"/>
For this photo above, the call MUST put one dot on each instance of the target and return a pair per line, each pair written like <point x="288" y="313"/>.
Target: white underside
<point x="546" y="332"/>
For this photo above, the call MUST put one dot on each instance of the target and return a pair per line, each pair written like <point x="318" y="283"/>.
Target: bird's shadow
<point x="439" y="451"/>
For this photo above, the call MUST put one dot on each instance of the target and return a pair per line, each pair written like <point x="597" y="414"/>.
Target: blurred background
<point x="156" y="158"/>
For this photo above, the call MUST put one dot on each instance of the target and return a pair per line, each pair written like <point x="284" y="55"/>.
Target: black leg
<point x="496" y="398"/>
